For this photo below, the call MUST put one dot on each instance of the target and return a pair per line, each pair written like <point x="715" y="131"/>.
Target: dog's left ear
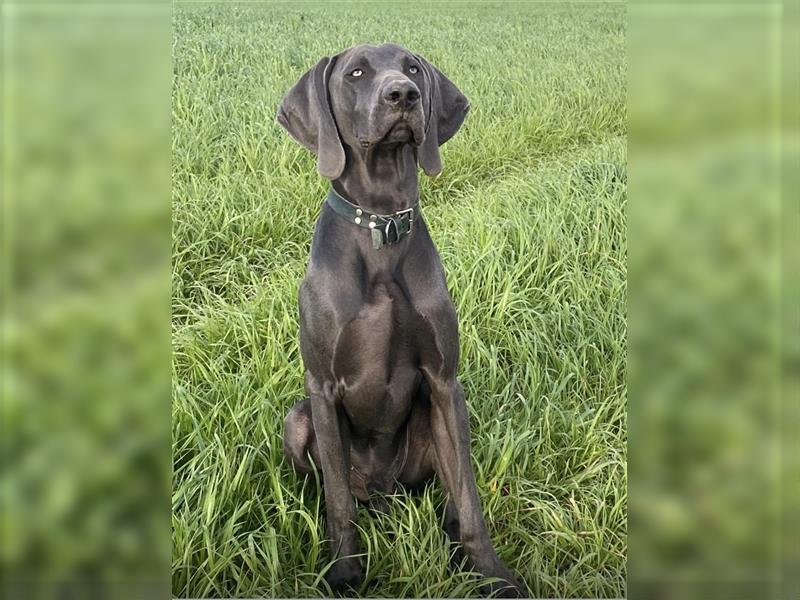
<point x="446" y="108"/>
<point x="306" y="114"/>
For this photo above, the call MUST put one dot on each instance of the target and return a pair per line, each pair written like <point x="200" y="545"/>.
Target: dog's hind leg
<point x="299" y="440"/>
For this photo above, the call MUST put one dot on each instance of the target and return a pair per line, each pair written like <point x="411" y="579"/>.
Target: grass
<point x="529" y="218"/>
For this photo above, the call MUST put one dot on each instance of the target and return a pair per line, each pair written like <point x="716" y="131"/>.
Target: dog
<point x="378" y="329"/>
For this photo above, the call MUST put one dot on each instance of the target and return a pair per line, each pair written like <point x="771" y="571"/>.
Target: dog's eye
<point x="357" y="73"/>
<point x="413" y="70"/>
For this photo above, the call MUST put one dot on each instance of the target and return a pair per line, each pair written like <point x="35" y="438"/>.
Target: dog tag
<point x="377" y="238"/>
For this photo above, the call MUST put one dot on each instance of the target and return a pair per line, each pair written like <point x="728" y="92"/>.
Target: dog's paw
<point x="379" y="505"/>
<point x="504" y="589"/>
<point x="510" y="587"/>
<point x="514" y="590"/>
<point x="345" y="576"/>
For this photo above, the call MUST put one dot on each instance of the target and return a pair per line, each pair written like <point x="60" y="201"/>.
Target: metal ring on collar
<point x="392" y="223"/>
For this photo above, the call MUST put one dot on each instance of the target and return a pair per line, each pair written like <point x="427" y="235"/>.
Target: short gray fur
<point x="378" y="330"/>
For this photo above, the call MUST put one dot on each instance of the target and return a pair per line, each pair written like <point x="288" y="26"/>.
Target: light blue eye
<point x="413" y="70"/>
<point x="357" y="73"/>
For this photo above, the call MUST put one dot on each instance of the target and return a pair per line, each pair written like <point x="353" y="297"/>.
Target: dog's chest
<point x="377" y="359"/>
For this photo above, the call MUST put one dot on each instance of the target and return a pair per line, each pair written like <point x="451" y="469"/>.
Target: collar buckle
<point x="396" y="228"/>
<point x="410" y="212"/>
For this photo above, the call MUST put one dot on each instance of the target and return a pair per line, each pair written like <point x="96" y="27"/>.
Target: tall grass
<point x="529" y="218"/>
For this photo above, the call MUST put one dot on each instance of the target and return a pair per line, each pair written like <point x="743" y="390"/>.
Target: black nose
<point x="401" y="94"/>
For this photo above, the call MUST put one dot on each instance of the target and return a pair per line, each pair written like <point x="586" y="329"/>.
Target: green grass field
<point x="529" y="218"/>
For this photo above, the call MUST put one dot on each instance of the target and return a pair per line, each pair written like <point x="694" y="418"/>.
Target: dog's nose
<point x="401" y="94"/>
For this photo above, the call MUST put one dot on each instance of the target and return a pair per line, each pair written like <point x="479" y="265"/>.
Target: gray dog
<point x="378" y="331"/>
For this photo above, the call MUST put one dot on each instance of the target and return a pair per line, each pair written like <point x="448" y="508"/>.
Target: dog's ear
<point x="305" y="112"/>
<point x="446" y="108"/>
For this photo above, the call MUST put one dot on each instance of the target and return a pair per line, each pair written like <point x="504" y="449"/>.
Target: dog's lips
<point x="404" y="130"/>
<point x="400" y="130"/>
<point x="407" y="128"/>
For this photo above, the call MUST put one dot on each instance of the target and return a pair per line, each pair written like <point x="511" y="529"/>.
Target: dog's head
<point x="368" y="96"/>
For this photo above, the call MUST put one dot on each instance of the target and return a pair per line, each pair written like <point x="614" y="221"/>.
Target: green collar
<point x="386" y="229"/>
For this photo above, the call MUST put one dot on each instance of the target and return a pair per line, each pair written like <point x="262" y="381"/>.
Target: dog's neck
<point x="381" y="179"/>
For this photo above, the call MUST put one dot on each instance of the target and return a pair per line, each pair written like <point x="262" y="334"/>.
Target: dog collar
<point x="386" y="229"/>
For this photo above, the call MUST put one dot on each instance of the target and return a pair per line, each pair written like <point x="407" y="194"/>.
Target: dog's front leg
<point x="333" y="442"/>
<point x="450" y="428"/>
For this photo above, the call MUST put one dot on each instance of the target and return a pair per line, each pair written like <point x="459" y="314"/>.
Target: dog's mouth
<point x="400" y="132"/>
<point x="406" y="129"/>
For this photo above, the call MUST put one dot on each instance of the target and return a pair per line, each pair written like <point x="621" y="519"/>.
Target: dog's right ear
<point x="305" y="112"/>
